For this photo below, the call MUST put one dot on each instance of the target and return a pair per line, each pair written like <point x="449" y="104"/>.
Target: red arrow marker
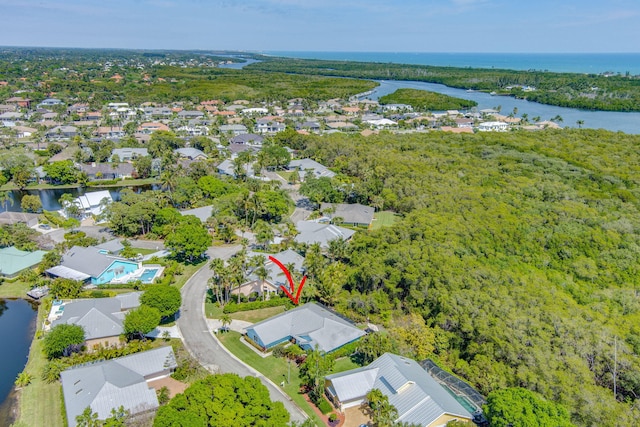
<point x="291" y="284"/>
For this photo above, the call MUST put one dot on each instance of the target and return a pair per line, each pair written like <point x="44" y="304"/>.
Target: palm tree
<point x="5" y="197"/>
<point x="580" y="123"/>
<point x="225" y="319"/>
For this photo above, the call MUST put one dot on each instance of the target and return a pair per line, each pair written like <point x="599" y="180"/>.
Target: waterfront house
<point x="493" y="127"/>
<point x="128" y="381"/>
<point x="128" y="154"/>
<point x="419" y="399"/>
<point x="309" y="325"/>
<point x="92" y="203"/>
<point x="101" y="318"/>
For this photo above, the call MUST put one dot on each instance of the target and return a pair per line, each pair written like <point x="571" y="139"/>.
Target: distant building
<point x="352" y="214"/>
<point x="304" y="165"/>
<point x="493" y="127"/>
<point x="311" y="232"/>
<point x="13" y="261"/>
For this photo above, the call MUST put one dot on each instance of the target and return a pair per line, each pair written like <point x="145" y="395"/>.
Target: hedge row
<point x="233" y="307"/>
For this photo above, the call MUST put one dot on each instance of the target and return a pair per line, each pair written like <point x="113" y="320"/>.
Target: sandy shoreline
<point x="10" y="408"/>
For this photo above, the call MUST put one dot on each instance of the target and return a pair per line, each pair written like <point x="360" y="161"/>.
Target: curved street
<point x="206" y="348"/>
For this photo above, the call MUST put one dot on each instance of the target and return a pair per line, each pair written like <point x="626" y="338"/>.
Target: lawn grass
<point x="188" y="271"/>
<point x="145" y="251"/>
<point x="14" y="289"/>
<point x="344" y="364"/>
<point x="40" y="403"/>
<point x="276" y="369"/>
<point x="384" y="219"/>
<point x="284" y="174"/>
<point x="214" y="311"/>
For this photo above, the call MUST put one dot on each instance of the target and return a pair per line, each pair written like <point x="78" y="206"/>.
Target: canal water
<point x="609" y="120"/>
<point x="17" y="326"/>
<point x="50" y="197"/>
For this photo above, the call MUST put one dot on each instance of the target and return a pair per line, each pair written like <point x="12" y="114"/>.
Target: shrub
<point x="273" y="302"/>
<point x="324" y="406"/>
<point x="333" y="417"/>
<point x="23" y="379"/>
<point x="63" y="340"/>
<point x="51" y="371"/>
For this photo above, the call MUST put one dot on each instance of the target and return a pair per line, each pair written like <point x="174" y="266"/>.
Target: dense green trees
<point x="63" y="340"/>
<point x="518" y="252"/>
<point x="422" y="100"/>
<point x="189" y="240"/>
<point x="225" y="401"/>
<point x="62" y="172"/>
<point x="166" y="299"/>
<point x="521" y="407"/>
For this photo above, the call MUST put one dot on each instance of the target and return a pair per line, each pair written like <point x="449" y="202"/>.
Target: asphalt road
<point x="201" y="343"/>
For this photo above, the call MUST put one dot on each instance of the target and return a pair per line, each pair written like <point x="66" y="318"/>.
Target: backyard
<point x="384" y="219"/>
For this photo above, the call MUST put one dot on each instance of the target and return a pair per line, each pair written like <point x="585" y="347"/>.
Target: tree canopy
<point x="141" y="321"/>
<point x="521" y="407"/>
<point x="166" y="299"/>
<point x="223" y="401"/>
<point x="63" y="340"/>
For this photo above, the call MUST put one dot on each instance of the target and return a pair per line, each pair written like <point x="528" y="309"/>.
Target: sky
<point x="538" y="26"/>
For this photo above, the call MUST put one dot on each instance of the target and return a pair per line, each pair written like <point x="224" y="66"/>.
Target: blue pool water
<point x="116" y="269"/>
<point x="148" y="275"/>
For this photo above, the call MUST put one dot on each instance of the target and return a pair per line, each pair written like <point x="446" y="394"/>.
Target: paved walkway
<point x="205" y="347"/>
<point x="235" y="325"/>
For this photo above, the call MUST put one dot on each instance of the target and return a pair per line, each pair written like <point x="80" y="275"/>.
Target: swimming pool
<point x="148" y="275"/>
<point x="117" y="268"/>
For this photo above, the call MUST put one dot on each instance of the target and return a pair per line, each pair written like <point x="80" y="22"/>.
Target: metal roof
<point x="13" y="260"/>
<point x="106" y="385"/>
<point x="314" y="232"/>
<point x="418" y="398"/>
<point x="311" y="324"/>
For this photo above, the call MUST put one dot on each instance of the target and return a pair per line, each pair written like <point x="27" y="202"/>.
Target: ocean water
<point x="595" y="63"/>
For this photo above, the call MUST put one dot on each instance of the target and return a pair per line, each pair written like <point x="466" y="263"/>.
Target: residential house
<point x="30" y="219"/>
<point x="311" y="126"/>
<point x="110" y="132"/>
<point x="309" y="325"/>
<point x="255" y="111"/>
<point x="203" y="213"/>
<point x="24" y="131"/>
<point x="97" y="171"/>
<point x="91" y="203"/>
<point x="352" y="214"/>
<point x="93" y="265"/>
<point x="19" y="101"/>
<point x="419" y="399"/>
<point x="190" y="153"/>
<point x="266" y="125"/>
<point x="150" y="127"/>
<point x="61" y="133"/>
<point x="49" y="102"/>
<point x="233" y="129"/>
<point x="109" y="384"/>
<point x="127" y="154"/>
<point x="275" y="276"/>
<point x="311" y="232"/>
<point x="382" y="123"/>
<point x="248" y="139"/>
<point x="188" y="114"/>
<point x="493" y="127"/>
<point x="396" y="107"/>
<point x="101" y="318"/>
<point x="316" y="169"/>
<point x="13" y="260"/>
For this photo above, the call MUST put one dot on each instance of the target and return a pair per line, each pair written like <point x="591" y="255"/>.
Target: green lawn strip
<point x="284" y="175"/>
<point x="40" y="402"/>
<point x="14" y="289"/>
<point x="271" y="367"/>
<point x="188" y="271"/>
<point x="344" y="364"/>
<point x="384" y="219"/>
<point x="214" y="311"/>
<point x="255" y="316"/>
<point x="145" y="251"/>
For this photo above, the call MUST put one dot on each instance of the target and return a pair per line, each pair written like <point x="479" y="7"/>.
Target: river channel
<point x="17" y="326"/>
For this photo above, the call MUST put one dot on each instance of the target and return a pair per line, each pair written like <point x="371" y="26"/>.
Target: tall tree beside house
<point x="383" y="414"/>
<point x="313" y="370"/>
<point x="63" y="340"/>
<point x="167" y="299"/>
<point x="140" y="321"/>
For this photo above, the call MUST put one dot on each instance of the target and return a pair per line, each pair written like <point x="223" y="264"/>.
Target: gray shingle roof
<point x="106" y="385"/>
<point x="276" y="276"/>
<point x="350" y="213"/>
<point x="318" y="170"/>
<point x="418" y="398"/>
<point x="86" y="260"/>
<point x="202" y="213"/>
<point x="310" y="324"/>
<point x="315" y="232"/>
<point x="100" y="317"/>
